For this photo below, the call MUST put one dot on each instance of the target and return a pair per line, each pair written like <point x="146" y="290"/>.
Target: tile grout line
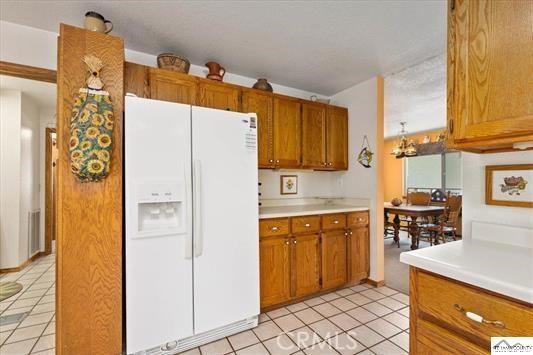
<point x="32" y="307"/>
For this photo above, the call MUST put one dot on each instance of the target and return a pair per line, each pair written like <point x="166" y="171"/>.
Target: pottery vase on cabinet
<point x="216" y="72"/>
<point x="263" y="84"/>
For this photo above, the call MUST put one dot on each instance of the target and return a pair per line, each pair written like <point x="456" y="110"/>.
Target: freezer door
<point x="226" y="237"/>
<point x="159" y="289"/>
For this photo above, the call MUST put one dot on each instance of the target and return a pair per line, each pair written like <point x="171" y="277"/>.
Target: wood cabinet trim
<point x="28" y="72"/>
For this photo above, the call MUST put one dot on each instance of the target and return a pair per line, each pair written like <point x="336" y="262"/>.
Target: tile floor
<point x="356" y="320"/>
<point x="35" y="334"/>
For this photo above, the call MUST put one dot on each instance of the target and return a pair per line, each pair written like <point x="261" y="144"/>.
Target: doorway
<point x="50" y="180"/>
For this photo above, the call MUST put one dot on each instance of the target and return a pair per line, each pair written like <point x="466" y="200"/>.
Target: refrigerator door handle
<point x="197" y="215"/>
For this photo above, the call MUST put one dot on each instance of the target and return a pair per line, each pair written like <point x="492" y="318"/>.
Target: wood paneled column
<point x="89" y="215"/>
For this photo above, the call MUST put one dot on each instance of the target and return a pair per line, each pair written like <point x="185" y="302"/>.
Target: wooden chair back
<point x="418" y="198"/>
<point x="453" y="202"/>
<point x="453" y="218"/>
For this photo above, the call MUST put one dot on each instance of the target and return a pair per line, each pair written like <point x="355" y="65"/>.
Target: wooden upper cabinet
<point x="313" y="135"/>
<point x="306" y="265"/>
<point x="274" y="259"/>
<point x="337" y="138"/>
<point x="490" y="66"/>
<point x="334" y="258"/>
<point x="262" y="104"/>
<point x="171" y="86"/>
<point x="287" y="132"/>
<point x="219" y="95"/>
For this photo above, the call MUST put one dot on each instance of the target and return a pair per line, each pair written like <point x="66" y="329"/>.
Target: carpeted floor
<point x="397" y="273"/>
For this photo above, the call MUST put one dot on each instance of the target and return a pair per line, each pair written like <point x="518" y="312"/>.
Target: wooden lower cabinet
<point x="432" y="339"/>
<point x="306" y="265"/>
<point x="358" y="254"/>
<point x="302" y="256"/>
<point x="438" y="321"/>
<point x="274" y="270"/>
<point x="334" y="255"/>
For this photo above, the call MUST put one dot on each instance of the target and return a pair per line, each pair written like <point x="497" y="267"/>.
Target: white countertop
<point x="501" y="268"/>
<point x="305" y="210"/>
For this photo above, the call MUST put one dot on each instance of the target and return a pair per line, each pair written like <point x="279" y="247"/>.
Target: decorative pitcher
<point x="97" y="23"/>
<point x="216" y="72"/>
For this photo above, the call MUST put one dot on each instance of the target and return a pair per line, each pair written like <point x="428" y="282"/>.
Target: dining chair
<point x="446" y="228"/>
<point x="418" y="198"/>
<point x="447" y="223"/>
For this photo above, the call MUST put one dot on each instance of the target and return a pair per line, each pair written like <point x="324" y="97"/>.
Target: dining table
<point x="414" y="213"/>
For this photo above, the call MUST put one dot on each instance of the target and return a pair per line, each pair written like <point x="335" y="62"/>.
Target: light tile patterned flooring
<point x="356" y="320"/>
<point x="35" y="334"/>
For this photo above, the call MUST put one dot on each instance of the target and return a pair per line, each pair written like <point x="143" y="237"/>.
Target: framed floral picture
<point x="509" y="185"/>
<point x="288" y="184"/>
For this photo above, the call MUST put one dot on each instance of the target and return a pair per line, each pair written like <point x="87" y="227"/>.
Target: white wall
<point x="474" y="207"/>
<point x="10" y="112"/>
<point x="38" y="48"/>
<point x="310" y="184"/>
<point x="47" y="119"/>
<point x="29" y="170"/>
<point x="360" y="182"/>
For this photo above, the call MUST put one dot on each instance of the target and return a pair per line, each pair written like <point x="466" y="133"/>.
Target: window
<point x="438" y="171"/>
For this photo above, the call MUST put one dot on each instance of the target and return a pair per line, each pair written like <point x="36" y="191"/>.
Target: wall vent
<point x="33" y="231"/>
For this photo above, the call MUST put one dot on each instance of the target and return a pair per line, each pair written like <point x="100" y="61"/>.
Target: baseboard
<point x="375" y="283"/>
<point x="23" y="265"/>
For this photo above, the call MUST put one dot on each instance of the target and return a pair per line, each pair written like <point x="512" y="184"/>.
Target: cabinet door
<point x="169" y="86"/>
<point x="306" y="265"/>
<point x="313" y="135"/>
<point x="337" y="138"/>
<point x="490" y="90"/>
<point x="334" y="258"/>
<point x="287" y="132"/>
<point x="262" y="104"/>
<point x="219" y="96"/>
<point x="275" y="270"/>
<point x="358" y="254"/>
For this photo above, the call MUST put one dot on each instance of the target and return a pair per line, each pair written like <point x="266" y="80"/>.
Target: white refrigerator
<point x="191" y="236"/>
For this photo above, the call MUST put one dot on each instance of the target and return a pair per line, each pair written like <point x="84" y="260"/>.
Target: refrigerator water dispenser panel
<point x="161" y="209"/>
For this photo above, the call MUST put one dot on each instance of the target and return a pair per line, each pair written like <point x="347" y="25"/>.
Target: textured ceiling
<point x="43" y="94"/>
<point x="416" y="95"/>
<point x="319" y="46"/>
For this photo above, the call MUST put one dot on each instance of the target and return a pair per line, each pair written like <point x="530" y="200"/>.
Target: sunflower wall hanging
<point x="91" y="127"/>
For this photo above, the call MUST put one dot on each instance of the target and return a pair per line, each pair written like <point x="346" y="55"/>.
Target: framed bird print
<point x="509" y="185"/>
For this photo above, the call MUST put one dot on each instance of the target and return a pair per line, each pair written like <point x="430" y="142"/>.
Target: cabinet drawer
<point x="432" y="339"/>
<point x="333" y="221"/>
<point x="358" y="218"/>
<point x="438" y="296"/>
<point x="305" y="224"/>
<point x="273" y="227"/>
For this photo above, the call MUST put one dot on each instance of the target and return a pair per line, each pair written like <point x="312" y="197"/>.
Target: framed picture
<point x="509" y="185"/>
<point x="288" y="184"/>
